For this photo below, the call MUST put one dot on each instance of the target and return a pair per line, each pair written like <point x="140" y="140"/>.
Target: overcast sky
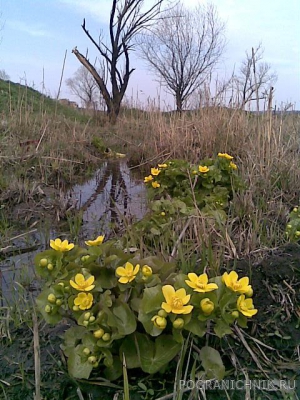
<point x="36" y="34"/>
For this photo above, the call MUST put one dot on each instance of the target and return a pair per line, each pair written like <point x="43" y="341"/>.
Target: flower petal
<point x="128" y="267"/>
<point x="166" y="307"/>
<point x="192" y="277"/>
<point x="181" y="293"/>
<point x="136" y="269"/>
<point x="124" y="279"/>
<point x="121" y="271"/>
<point x="168" y="292"/>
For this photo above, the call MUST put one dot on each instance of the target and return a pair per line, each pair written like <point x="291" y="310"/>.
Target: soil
<point x="272" y="338"/>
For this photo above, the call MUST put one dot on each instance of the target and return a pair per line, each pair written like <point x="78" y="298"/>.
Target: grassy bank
<point x="45" y="147"/>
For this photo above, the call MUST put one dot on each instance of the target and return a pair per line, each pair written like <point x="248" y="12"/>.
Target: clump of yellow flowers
<point x="120" y="303"/>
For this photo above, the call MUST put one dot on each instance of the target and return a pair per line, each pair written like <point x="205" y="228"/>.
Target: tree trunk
<point x="179" y="102"/>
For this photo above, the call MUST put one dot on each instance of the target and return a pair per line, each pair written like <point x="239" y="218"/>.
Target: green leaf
<point x="114" y="371"/>
<point x="152" y="299"/>
<point x="76" y="366"/>
<point x="155" y="355"/>
<point x="212" y="363"/>
<point x="222" y="328"/>
<point x="124" y="318"/>
<point x="128" y="348"/>
<point x="195" y="326"/>
<point x="42" y="301"/>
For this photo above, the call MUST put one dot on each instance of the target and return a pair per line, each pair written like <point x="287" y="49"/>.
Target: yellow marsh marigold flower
<point x="82" y="284"/>
<point x="245" y="306"/>
<point x="127" y="273"/>
<point x="155" y="171"/>
<point x="159" y="322"/>
<point x="176" y="300"/>
<point x="200" y="283"/>
<point x="203" y="169"/>
<point x="148" y="178"/>
<point x="232" y="165"/>
<point x="58" y="245"/>
<point x="146" y="270"/>
<point x="155" y="185"/>
<point x="162" y="165"/>
<point x="207" y="306"/>
<point x="96" y="242"/>
<point x="232" y="282"/>
<point x="84" y="301"/>
<point x="225" y="155"/>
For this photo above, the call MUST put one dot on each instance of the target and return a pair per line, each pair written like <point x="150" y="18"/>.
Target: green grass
<point x="24" y="99"/>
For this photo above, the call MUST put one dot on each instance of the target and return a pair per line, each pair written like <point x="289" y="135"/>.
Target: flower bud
<point x="297" y="234"/>
<point x="50" y="267"/>
<point x="61" y="284"/>
<point x="51" y="298"/>
<point x="43" y="262"/>
<point x="99" y="333"/>
<point x="295" y="209"/>
<point x="207" y="306"/>
<point x="92" y="359"/>
<point x="178" y="323"/>
<point x="106" y="337"/>
<point x="67" y="289"/>
<point x="47" y="308"/>
<point x="159" y="322"/>
<point x="147" y="271"/>
<point x="85" y="323"/>
<point x="92" y="319"/>
<point x="75" y="308"/>
<point x="86" y="351"/>
<point x="58" y="302"/>
<point x="162" y="313"/>
<point x="87" y="316"/>
<point x="249" y="293"/>
<point x="289" y="226"/>
<point x="235" y="314"/>
<point x="162" y="213"/>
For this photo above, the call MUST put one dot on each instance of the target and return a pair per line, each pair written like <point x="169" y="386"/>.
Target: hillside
<point x="14" y="96"/>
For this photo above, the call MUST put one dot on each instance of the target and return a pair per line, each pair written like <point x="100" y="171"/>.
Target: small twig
<point x="179" y="239"/>
<point x="21" y="235"/>
<point x="61" y="159"/>
<point x="41" y="138"/>
<point x="37" y="358"/>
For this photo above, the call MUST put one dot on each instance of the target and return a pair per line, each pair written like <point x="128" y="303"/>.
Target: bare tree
<point x="4" y="76"/>
<point x="255" y="78"/>
<point x="183" y="48"/>
<point x="126" y="20"/>
<point x="84" y="86"/>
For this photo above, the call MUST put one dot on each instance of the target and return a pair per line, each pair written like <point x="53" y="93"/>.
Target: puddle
<point x="108" y="198"/>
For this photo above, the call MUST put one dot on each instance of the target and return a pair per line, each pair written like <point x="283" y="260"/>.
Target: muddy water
<point x="111" y="198"/>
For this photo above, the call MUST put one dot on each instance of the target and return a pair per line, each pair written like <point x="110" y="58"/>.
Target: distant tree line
<point x="182" y="48"/>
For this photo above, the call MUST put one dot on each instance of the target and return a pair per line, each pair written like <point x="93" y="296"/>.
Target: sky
<point x="36" y="34"/>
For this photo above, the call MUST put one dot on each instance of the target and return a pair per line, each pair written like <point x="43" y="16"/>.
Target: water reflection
<point x="111" y="195"/>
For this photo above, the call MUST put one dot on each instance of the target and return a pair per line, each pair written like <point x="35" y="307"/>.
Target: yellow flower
<point x="232" y="282"/>
<point x="84" y="301"/>
<point x="96" y="242"/>
<point x="159" y="322"/>
<point x="146" y="270"/>
<point x="207" y="306"/>
<point x="200" y="283"/>
<point x="155" y="171"/>
<point x="245" y="306"/>
<point x="176" y="300"/>
<point x="82" y="284"/>
<point x="162" y="165"/>
<point x="225" y="155"/>
<point x="203" y="169"/>
<point x="148" y="178"/>
<point x="155" y="185"/>
<point x="232" y="165"/>
<point x="58" y="245"/>
<point x="127" y="273"/>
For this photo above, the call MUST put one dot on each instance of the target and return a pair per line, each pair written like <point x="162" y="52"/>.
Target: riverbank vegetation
<point x="45" y="148"/>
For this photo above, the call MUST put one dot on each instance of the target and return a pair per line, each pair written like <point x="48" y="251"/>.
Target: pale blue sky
<point x="36" y="34"/>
